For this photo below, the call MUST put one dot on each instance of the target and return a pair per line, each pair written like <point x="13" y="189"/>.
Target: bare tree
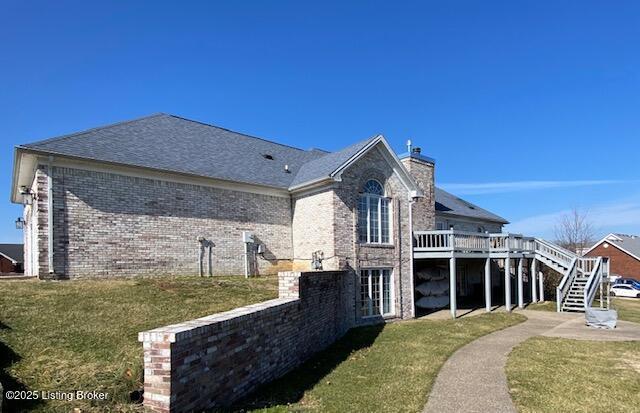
<point x="574" y="230"/>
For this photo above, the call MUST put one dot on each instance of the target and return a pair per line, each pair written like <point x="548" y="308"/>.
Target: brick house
<point x="167" y="195"/>
<point x="623" y="252"/>
<point x="11" y="258"/>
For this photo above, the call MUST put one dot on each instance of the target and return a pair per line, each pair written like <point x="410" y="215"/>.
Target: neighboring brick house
<point x="623" y="252"/>
<point x="11" y="258"/>
<point x="167" y="195"/>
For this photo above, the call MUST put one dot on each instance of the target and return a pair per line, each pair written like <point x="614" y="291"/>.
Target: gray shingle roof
<point x="171" y="143"/>
<point x="324" y="166"/>
<point x="13" y="251"/>
<point x="630" y="243"/>
<point x="451" y="204"/>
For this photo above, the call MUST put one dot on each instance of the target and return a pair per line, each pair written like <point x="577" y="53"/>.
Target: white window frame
<point x="369" y="198"/>
<point x="392" y="295"/>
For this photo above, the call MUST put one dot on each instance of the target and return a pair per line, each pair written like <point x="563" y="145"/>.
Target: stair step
<point x="572" y="305"/>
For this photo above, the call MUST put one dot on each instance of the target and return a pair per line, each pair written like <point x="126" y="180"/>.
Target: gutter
<point x="413" y="281"/>
<point x="14" y="178"/>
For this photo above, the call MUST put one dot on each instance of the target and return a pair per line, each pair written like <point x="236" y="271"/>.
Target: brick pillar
<point x="289" y="284"/>
<point x="157" y="372"/>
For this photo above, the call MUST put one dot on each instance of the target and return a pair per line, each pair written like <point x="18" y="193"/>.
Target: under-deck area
<point x="467" y="271"/>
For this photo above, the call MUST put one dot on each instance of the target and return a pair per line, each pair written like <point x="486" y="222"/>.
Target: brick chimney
<point x="421" y="169"/>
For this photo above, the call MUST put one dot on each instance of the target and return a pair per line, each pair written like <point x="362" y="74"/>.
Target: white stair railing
<point x="565" y="283"/>
<point x="554" y="252"/>
<point x="593" y="282"/>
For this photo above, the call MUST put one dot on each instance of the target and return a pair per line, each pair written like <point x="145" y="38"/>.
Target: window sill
<point x="366" y="244"/>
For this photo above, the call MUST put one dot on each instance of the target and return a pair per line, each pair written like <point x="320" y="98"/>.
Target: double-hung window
<point x="373" y="215"/>
<point x="376" y="292"/>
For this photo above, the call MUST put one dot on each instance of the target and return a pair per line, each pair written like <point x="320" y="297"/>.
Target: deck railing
<point x="453" y="240"/>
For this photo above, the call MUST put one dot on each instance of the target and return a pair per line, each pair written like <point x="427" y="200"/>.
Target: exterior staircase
<point x="574" y="300"/>
<point x="582" y="276"/>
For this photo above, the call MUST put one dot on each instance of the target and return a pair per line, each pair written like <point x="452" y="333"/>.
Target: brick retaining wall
<point x="216" y="360"/>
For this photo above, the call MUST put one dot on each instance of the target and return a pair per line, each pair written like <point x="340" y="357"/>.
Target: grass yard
<point x="628" y="308"/>
<point x="83" y="335"/>
<point x="388" y="368"/>
<point x="559" y="375"/>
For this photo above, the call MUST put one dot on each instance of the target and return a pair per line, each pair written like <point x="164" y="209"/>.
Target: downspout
<point x="413" y="287"/>
<point x="50" y="213"/>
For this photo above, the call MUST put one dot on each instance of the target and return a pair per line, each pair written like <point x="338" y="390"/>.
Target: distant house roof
<point x="627" y="243"/>
<point x="450" y="204"/>
<point x="14" y="252"/>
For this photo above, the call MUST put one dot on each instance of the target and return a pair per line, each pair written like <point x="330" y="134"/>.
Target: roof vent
<point x="267" y="156"/>
<point x="286" y="169"/>
<point x="416" y="150"/>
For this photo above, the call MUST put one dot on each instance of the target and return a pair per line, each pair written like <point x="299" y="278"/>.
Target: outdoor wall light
<point x="19" y="223"/>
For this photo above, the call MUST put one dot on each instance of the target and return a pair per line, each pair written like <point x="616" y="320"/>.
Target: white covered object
<point x="601" y="318"/>
<point x="433" y="302"/>
<point x="433" y="287"/>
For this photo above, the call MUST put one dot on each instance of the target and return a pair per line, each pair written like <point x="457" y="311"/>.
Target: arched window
<point x="373" y="214"/>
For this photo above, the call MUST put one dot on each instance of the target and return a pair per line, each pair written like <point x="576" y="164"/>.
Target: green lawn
<point x="559" y="375"/>
<point x="82" y="335"/>
<point x="388" y="368"/>
<point x="628" y="308"/>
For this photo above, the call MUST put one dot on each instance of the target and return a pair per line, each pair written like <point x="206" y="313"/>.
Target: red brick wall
<point x="6" y="265"/>
<point x="621" y="263"/>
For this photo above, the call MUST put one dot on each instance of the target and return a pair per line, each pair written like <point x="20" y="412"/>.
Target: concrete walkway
<point x="473" y="379"/>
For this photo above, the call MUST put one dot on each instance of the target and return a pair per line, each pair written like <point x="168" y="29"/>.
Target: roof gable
<point x="324" y="166"/>
<point x="629" y="244"/>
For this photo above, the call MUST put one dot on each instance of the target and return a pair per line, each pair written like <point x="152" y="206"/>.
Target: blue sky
<point x="529" y="107"/>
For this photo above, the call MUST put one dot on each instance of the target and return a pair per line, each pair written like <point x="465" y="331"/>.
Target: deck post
<point x="487" y="284"/>
<point x="541" y="285"/>
<point x="520" y="283"/>
<point x="507" y="283"/>
<point x="452" y="286"/>
<point x="534" y="282"/>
